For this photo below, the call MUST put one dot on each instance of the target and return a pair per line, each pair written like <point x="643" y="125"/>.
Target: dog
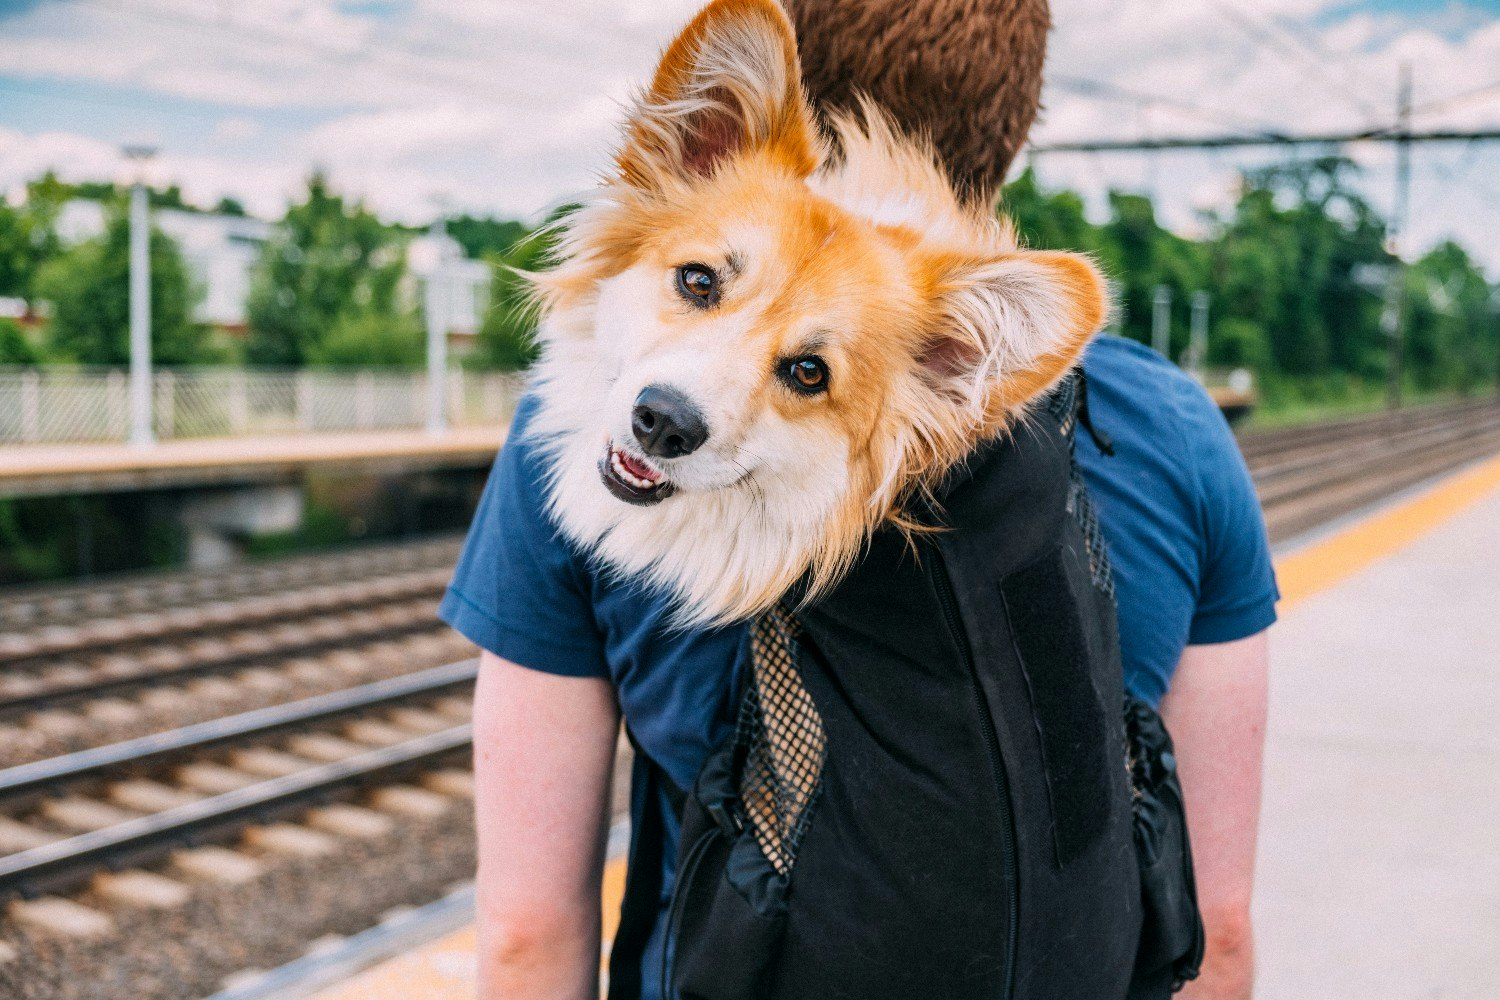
<point x="762" y="341"/>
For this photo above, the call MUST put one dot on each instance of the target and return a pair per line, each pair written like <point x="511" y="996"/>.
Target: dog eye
<point x="808" y="375"/>
<point x="698" y="284"/>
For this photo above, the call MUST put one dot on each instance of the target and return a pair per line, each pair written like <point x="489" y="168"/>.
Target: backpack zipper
<point x="949" y="604"/>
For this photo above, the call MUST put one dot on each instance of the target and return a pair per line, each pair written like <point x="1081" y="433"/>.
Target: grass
<point x="1288" y="406"/>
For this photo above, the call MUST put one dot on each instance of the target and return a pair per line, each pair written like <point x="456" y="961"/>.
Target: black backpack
<point x="932" y="790"/>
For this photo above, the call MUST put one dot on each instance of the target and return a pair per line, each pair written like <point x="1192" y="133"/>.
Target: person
<point x="568" y="651"/>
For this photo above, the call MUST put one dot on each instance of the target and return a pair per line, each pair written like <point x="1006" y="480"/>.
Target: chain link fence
<point x="61" y="406"/>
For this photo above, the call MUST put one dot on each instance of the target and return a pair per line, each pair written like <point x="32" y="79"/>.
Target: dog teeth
<point x="623" y="473"/>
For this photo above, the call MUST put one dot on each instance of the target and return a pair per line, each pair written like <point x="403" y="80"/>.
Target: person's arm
<point x="544" y="747"/>
<point x="1216" y="713"/>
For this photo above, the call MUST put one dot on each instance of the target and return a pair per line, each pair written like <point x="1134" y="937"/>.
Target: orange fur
<point x="936" y="328"/>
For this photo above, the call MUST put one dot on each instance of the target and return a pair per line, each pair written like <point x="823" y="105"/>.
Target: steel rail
<point x="235" y="661"/>
<point x="1276" y="444"/>
<point x="182" y="623"/>
<point x="71" y="862"/>
<point x="1379" y="134"/>
<point x="25" y="779"/>
<point x="26" y="606"/>
<point x="1375" y="451"/>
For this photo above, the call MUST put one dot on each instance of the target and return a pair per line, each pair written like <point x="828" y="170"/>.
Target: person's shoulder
<point x="519" y="486"/>
<point x="1140" y="387"/>
<point x="1134" y="369"/>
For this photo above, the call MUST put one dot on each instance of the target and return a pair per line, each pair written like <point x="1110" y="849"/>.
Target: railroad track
<point x="36" y="606"/>
<point x="104" y="634"/>
<point x="1309" y="477"/>
<point x="210" y="825"/>
<point x="1288" y="442"/>
<point x="264" y="634"/>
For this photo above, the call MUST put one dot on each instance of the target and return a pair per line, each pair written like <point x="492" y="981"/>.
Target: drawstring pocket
<point x="741" y="828"/>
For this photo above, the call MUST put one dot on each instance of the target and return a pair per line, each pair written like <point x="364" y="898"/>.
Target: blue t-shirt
<point x="1179" y="515"/>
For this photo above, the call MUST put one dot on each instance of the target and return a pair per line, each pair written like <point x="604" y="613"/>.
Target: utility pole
<point x="1198" y="334"/>
<point x="437" y="329"/>
<point x="142" y="433"/>
<point x="1495" y="312"/>
<point x="1393" y="319"/>
<point x="1161" y="320"/>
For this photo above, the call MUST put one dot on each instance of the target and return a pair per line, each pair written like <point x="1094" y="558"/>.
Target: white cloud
<point x="237" y="129"/>
<point x="508" y="106"/>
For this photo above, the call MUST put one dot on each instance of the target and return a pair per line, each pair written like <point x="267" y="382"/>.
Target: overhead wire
<point x="1311" y="66"/>
<point x="1086" y="87"/>
<point x="1486" y="92"/>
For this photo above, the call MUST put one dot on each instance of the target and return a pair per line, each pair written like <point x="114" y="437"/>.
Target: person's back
<point x="1191" y="567"/>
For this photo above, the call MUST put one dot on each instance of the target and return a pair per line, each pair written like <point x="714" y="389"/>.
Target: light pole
<point x="142" y="433"/>
<point x="437" y="329"/>
<point x="1161" y="320"/>
<point x="1393" y="319"/>
<point x="1198" y="337"/>
<point x="1495" y="312"/>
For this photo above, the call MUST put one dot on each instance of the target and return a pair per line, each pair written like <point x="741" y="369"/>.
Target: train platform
<point x="54" y="469"/>
<point x="1378" y="875"/>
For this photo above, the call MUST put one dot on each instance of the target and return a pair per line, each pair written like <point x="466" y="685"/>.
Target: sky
<point x="511" y="106"/>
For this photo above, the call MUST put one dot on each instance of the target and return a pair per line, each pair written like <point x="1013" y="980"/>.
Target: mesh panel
<point x="1063" y="404"/>
<point x="1082" y="509"/>
<point x="783" y="737"/>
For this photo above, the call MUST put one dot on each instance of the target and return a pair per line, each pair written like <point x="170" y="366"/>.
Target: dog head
<point x="755" y="354"/>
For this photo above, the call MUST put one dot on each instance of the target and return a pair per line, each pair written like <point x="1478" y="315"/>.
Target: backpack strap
<point x="641" y="906"/>
<point x="1102" y="441"/>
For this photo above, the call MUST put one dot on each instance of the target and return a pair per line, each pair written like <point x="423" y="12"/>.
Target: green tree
<point x="485" y="237"/>
<point x="1451" y="328"/>
<point x="1297" y="270"/>
<point x="1048" y="220"/>
<point x="1141" y="254"/>
<point x="28" y="235"/>
<point x="369" y="339"/>
<point x="507" y="338"/>
<point x="89" y="288"/>
<point x="1290" y="257"/>
<point x="15" y="348"/>
<point x="330" y="259"/>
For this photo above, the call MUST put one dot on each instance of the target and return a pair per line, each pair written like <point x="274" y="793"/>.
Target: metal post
<point x="1495" y="311"/>
<point x="141" y="432"/>
<point x="1161" y="320"/>
<point x="1393" y="321"/>
<point x="306" y="418"/>
<point x="1198" y="334"/>
<point x="31" y="406"/>
<point x="239" y="402"/>
<point x="437" y="331"/>
<point x="166" y="404"/>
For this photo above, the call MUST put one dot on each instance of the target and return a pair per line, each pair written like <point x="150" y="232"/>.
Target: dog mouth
<point x="632" y="480"/>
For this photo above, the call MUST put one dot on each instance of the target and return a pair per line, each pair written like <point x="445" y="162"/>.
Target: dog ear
<point x="1012" y="326"/>
<point x="729" y="84"/>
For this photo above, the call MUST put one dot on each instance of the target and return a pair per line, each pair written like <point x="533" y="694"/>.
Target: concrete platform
<point x="1379" y="874"/>
<point x="49" y="470"/>
<point x="1379" y="871"/>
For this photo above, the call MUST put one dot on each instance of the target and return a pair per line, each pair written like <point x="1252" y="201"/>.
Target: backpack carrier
<point x="932" y="792"/>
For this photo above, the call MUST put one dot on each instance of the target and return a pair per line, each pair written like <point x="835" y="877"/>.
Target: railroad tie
<point x="143" y="889"/>
<point x="54" y="915"/>
<point x="354" y="822"/>
<point x="217" y="864"/>
<point x="290" y="839"/>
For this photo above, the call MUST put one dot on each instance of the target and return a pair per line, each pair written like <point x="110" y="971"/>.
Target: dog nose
<point x="666" y="422"/>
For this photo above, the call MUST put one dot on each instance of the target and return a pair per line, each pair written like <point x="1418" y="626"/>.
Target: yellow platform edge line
<point x="1301" y="575"/>
<point x="1317" y="567"/>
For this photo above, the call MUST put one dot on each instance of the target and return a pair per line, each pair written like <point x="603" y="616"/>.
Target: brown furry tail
<point x="966" y="72"/>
